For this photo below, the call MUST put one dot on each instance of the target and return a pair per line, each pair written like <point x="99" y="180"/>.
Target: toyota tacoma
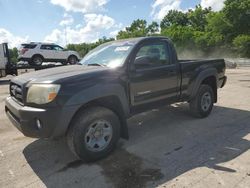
<point x="90" y="103"/>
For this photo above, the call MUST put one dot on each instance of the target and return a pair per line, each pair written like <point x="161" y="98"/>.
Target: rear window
<point x="29" y="46"/>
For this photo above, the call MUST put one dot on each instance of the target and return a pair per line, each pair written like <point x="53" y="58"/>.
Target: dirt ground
<point x="167" y="148"/>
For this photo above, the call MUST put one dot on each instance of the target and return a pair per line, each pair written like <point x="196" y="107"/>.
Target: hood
<point x="52" y="75"/>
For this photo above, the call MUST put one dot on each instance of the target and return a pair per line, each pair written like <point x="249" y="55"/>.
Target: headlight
<point x="42" y="93"/>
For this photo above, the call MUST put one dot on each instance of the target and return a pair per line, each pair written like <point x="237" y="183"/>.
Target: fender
<point x="99" y="91"/>
<point x="87" y="95"/>
<point x="195" y="84"/>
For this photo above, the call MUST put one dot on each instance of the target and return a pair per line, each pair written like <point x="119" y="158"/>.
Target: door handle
<point x="144" y="92"/>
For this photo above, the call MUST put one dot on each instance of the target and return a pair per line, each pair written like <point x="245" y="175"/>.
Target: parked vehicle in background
<point x="5" y="66"/>
<point x="36" y="53"/>
<point x="90" y="103"/>
<point x="4" y="58"/>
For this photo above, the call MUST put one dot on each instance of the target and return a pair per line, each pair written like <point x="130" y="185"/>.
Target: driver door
<point x="153" y="76"/>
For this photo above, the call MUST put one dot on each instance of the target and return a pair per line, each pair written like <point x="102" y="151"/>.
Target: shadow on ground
<point x="164" y="143"/>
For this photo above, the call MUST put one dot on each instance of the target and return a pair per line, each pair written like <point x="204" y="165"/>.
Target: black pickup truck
<point x="90" y="103"/>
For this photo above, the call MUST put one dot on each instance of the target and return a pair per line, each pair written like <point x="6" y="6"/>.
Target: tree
<point x="242" y="44"/>
<point x="84" y="48"/>
<point x="13" y="55"/>
<point x="207" y="40"/>
<point x="174" y="17"/>
<point x="200" y="29"/>
<point x="237" y="13"/>
<point x="153" y="28"/>
<point x="218" y="23"/>
<point x="198" y="17"/>
<point x="138" y="28"/>
<point x="182" y="36"/>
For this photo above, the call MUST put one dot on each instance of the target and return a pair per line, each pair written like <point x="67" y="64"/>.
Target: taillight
<point x="24" y="50"/>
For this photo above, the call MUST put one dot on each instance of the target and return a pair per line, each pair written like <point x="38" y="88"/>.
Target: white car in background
<point x="36" y="53"/>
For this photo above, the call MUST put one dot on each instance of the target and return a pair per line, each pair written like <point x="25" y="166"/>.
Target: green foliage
<point x="174" y="17"/>
<point x="13" y="55"/>
<point x="237" y="13"/>
<point x="198" y="17"/>
<point x="202" y="30"/>
<point x="207" y="40"/>
<point x="242" y="44"/>
<point x="224" y="33"/>
<point x="84" y="48"/>
<point x="218" y="24"/>
<point x="139" y="28"/>
<point x="181" y="35"/>
<point x="153" y="28"/>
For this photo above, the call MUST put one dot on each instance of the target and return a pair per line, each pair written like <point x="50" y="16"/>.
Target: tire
<point x="72" y="60"/>
<point x="202" y="105"/>
<point x="37" y="60"/>
<point x="84" y="138"/>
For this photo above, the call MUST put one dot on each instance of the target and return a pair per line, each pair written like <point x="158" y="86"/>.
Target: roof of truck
<point x="135" y="40"/>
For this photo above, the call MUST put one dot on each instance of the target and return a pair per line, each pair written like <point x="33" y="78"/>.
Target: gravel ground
<point x="167" y="148"/>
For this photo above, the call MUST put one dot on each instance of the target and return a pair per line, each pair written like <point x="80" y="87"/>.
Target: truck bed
<point x="190" y="70"/>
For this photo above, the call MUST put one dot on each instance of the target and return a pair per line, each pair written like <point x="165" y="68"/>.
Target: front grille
<point x="16" y="92"/>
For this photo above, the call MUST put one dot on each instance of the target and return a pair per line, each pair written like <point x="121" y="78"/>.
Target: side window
<point x="29" y="46"/>
<point x="152" y="55"/>
<point x="46" y="47"/>
<point x="58" y="48"/>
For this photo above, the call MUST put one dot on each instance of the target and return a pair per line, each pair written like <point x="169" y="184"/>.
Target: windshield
<point x="109" y="55"/>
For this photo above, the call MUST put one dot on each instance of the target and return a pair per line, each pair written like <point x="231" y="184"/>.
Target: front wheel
<point x="94" y="133"/>
<point x="202" y="105"/>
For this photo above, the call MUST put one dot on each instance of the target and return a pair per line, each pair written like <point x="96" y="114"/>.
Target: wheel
<point x="72" y="60"/>
<point x="202" y="105"/>
<point x="37" y="60"/>
<point x="94" y="133"/>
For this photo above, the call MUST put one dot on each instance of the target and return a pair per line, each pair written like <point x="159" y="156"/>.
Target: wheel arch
<point x="37" y="55"/>
<point x="112" y="96"/>
<point x="211" y="81"/>
<point x="209" y="77"/>
<point x="112" y="103"/>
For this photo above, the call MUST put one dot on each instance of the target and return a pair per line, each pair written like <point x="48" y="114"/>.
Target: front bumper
<point x="54" y="122"/>
<point x="26" y="119"/>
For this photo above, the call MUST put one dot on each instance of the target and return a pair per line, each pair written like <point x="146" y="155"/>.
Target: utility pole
<point x="65" y="33"/>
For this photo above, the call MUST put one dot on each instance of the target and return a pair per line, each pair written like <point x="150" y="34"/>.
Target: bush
<point x="242" y="45"/>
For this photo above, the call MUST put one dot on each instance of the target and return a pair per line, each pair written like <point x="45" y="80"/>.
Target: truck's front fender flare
<point x="91" y="94"/>
<point x="100" y="91"/>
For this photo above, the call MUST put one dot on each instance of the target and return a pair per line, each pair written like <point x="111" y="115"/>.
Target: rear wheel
<point x="37" y="60"/>
<point x="72" y="60"/>
<point x="202" y="105"/>
<point x="94" y="133"/>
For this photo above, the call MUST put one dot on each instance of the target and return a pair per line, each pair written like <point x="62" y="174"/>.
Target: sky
<point x="78" y="21"/>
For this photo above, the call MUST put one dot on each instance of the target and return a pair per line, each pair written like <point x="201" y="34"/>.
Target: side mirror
<point x="142" y="62"/>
